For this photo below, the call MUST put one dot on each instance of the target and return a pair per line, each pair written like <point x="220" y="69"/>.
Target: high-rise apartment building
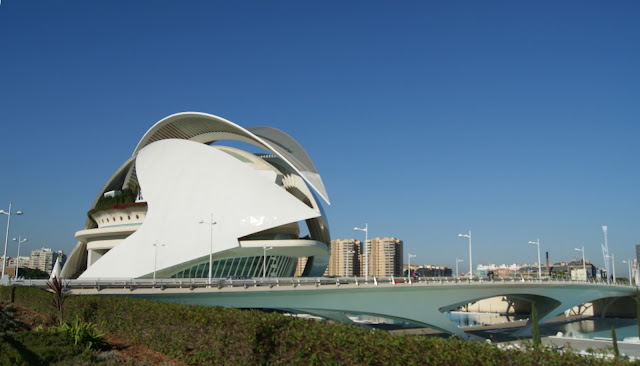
<point x="302" y="264"/>
<point x="42" y="259"/>
<point x="344" y="258"/>
<point x="385" y="257"/>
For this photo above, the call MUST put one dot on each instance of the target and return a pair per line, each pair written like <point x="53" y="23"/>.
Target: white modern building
<point x="189" y="203"/>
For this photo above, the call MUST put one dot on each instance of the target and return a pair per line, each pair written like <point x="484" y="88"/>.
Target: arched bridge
<point x="423" y="302"/>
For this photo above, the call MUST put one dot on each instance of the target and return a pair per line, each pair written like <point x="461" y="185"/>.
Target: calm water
<point x="587" y="328"/>
<point x="464" y="319"/>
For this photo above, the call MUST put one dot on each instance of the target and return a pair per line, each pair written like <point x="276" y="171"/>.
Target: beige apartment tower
<point x="385" y="257"/>
<point x="41" y="259"/>
<point x="344" y="258"/>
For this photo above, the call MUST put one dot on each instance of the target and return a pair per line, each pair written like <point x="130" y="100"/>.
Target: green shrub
<point x="43" y="347"/>
<point x="82" y="333"/>
<point x="205" y="335"/>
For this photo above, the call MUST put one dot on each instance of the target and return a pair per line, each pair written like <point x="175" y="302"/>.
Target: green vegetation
<point x="42" y="347"/>
<point x="535" y="327"/>
<point x="83" y="333"/>
<point x="33" y="273"/>
<point x="202" y="335"/>
<point x="616" y="351"/>
<point x="126" y="197"/>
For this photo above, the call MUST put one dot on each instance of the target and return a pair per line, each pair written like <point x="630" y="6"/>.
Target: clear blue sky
<point x="518" y="120"/>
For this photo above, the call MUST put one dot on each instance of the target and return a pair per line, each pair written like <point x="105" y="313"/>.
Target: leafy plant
<point x="83" y="333"/>
<point x="59" y="297"/>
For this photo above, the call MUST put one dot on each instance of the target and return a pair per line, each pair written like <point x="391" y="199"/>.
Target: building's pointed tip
<point x="55" y="273"/>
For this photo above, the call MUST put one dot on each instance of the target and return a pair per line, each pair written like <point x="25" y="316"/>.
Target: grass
<point x="213" y="335"/>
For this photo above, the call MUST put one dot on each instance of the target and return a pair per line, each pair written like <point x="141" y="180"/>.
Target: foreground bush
<point x="45" y="347"/>
<point x="214" y="335"/>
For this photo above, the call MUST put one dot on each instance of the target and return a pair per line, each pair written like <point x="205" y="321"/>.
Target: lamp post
<point x="365" y="252"/>
<point x="409" y="266"/>
<point x="605" y="252"/>
<point x="6" y="238"/>
<point x="613" y="261"/>
<point x="470" y="258"/>
<point x="211" y="223"/>
<point x="537" y="242"/>
<point x="628" y="262"/>
<point x="458" y="261"/>
<point x="20" y="240"/>
<point x="155" y="260"/>
<point x="584" y="266"/>
<point x="264" y="260"/>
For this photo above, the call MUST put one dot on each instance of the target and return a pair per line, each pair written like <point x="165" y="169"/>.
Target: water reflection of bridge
<point x="422" y="302"/>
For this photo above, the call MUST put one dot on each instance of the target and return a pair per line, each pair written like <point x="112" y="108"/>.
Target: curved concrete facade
<point x="253" y="199"/>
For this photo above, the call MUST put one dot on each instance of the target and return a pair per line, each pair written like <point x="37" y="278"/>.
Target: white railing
<point x="292" y="282"/>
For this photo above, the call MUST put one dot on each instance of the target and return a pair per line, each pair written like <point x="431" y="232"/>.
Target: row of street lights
<point x="365" y="251"/>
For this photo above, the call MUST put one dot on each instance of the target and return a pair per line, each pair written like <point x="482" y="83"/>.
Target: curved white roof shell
<point x="264" y="194"/>
<point x="207" y="128"/>
<point x="180" y="193"/>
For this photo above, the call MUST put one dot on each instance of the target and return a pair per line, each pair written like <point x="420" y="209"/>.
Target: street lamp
<point x="155" y="260"/>
<point x="584" y="266"/>
<point x="470" y="258"/>
<point x="365" y="252"/>
<point x="211" y="223"/>
<point x="6" y="238"/>
<point x="20" y="240"/>
<point x="628" y="262"/>
<point x="537" y="242"/>
<point x="458" y="261"/>
<point x="409" y="267"/>
<point x="613" y="261"/>
<point x="264" y="261"/>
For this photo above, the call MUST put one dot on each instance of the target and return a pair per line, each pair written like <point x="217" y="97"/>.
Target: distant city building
<point x="42" y="259"/>
<point x="22" y="263"/>
<point x="61" y="255"/>
<point x="345" y="256"/>
<point x="431" y="271"/>
<point x="576" y="271"/>
<point x="302" y="264"/>
<point x="385" y="257"/>
<point x="502" y="270"/>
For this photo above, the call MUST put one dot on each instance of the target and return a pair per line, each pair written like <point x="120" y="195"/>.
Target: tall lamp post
<point x="365" y="252"/>
<point x="458" y="261"/>
<point x="584" y="266"/>
<point x="470" y="258"/>
<point x="155" y="260"/>
<point x="264" y="260"/>
<point x="613" y="261"/>
<point x="211" y="223"/>
<point x="6" y="238"/>
<point x="628" y="262"/>
<point x="537" y="242"/>
<point x="409" y="265"/>
<point x="20" y="240"/>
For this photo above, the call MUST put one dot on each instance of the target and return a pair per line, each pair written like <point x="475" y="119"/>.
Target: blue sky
<point x="518" y="120"/>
